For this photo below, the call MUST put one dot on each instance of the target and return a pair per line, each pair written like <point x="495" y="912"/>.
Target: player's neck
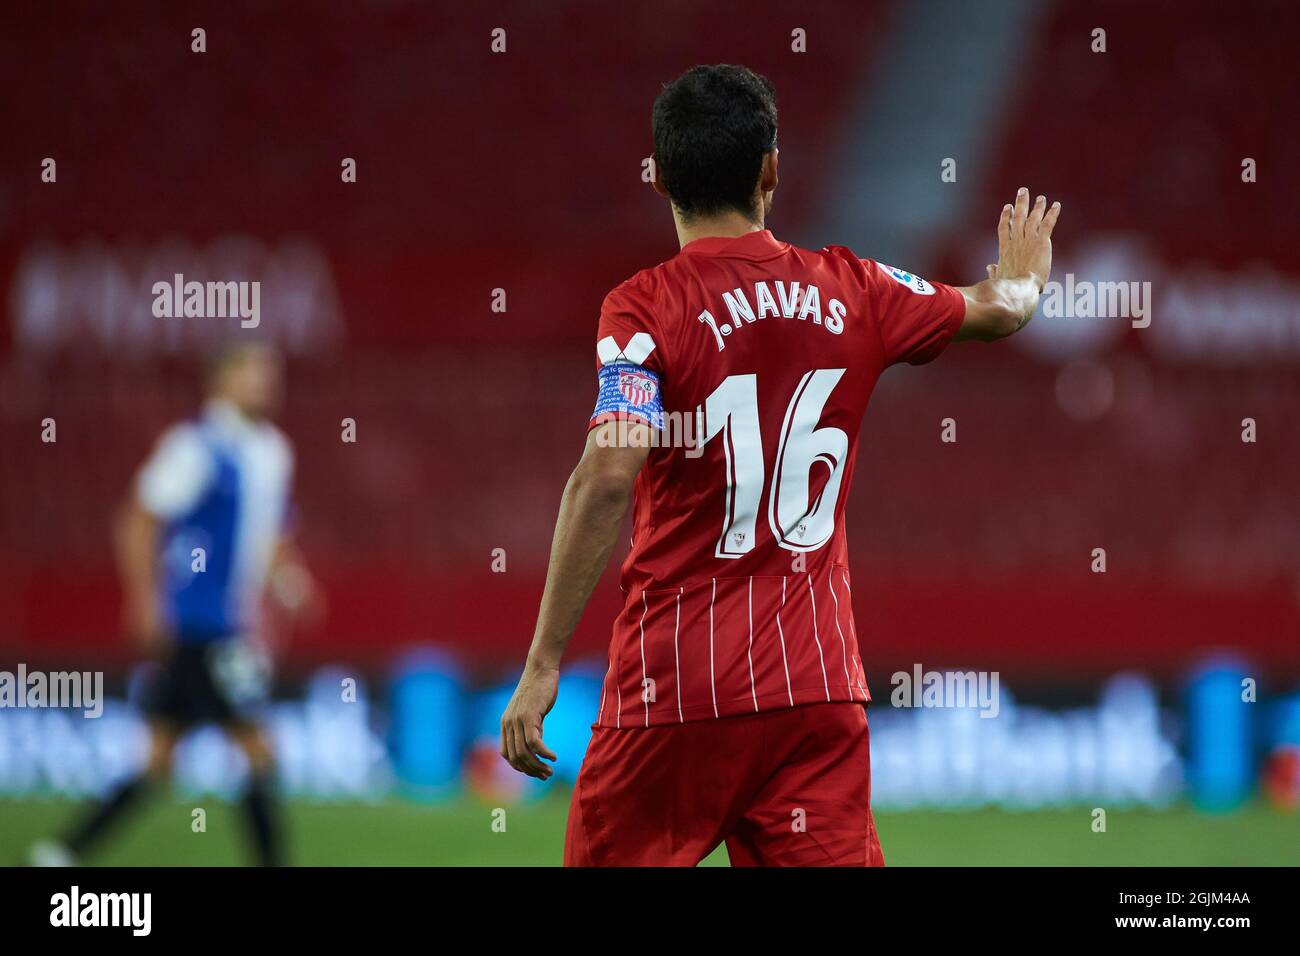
<point x="231" y="410"/>
<point x="727" y="225"/>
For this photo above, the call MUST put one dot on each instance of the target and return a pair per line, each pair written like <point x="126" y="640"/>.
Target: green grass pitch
<point x="460" y="833"/>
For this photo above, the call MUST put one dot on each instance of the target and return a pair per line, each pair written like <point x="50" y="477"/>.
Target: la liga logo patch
<point x="913" y="282"/>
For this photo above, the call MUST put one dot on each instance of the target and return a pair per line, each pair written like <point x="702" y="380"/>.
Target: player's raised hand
<point x="521" y="724"/>
<point x="1025" y="239"/>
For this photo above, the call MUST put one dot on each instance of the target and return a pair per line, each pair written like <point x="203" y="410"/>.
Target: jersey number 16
<point x="798" y="522"/>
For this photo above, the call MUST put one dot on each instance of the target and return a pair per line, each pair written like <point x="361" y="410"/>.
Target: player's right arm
<point x="629" y="405"/>
<point x="591" y="513"/>
<point x="1005" y="302"/>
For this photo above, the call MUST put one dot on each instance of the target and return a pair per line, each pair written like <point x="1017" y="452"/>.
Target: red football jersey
<point x="762" y="357"/>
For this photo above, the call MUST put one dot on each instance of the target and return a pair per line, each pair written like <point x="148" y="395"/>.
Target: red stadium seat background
<point x="522" y="172"/>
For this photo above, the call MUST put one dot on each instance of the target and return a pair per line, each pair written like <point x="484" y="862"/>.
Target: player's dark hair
<point x="712" y="127"/>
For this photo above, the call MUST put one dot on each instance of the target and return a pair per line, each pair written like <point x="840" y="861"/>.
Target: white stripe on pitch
<point x="753" y="691"/>
<point x="822" y="657"/>
<point x="644" y="698"/>
<point x="712" y="684"/>
<point x="677" y="661"/>
<point x="781" y="634"/>
<point x="844" y="647"/>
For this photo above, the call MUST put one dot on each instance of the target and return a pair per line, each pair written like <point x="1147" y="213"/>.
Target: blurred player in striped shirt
<point x="204" y="538"/>
<point x="734" y="707"/>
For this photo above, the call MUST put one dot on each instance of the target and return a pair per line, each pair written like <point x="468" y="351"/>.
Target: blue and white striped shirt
<point x="219" y="483"/>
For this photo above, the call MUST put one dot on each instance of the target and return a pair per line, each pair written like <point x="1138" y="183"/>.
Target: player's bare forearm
<point x="136" y="541"/>
<point x="1004" y="303"/>
<point x="591" y="514"/>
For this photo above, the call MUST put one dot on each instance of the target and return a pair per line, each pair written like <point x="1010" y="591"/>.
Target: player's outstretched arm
<point x="591" y="513"/>
<point x="1005" y="301"/>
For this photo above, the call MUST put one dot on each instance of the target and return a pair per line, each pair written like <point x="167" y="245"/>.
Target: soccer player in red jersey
<point x="732" y="383"/>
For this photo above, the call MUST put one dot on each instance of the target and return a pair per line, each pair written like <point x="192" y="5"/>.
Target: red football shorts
<point x="785" y="787"/>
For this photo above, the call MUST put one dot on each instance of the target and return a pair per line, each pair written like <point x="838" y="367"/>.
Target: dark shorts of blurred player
<point x="780" y="788"/>
<point x="224" y="682"/>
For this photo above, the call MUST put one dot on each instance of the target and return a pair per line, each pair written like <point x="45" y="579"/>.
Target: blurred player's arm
<point x="136" y="545"/>
<point x="1005" y="302"/>
<point x="292" y="587"/>
<point x="591" y="514"/>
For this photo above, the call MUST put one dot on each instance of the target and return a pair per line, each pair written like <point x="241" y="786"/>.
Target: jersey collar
<point x="752" y="245"/>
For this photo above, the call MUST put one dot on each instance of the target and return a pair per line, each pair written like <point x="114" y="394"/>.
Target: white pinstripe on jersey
<point x="781" y="634"/>
<point x="844" y="647"/>
<point x="713" y="684"/>
<point x="644" y="696"/>
<point x="822" y="657"/>
<point x="677" y="659"/>
<point x="753" y="691"/>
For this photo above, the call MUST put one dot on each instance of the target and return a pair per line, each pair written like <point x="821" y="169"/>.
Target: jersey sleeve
<point x="917" y="318"/>
<point x="629" y="362"/>
<point x="176" y="475"/>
